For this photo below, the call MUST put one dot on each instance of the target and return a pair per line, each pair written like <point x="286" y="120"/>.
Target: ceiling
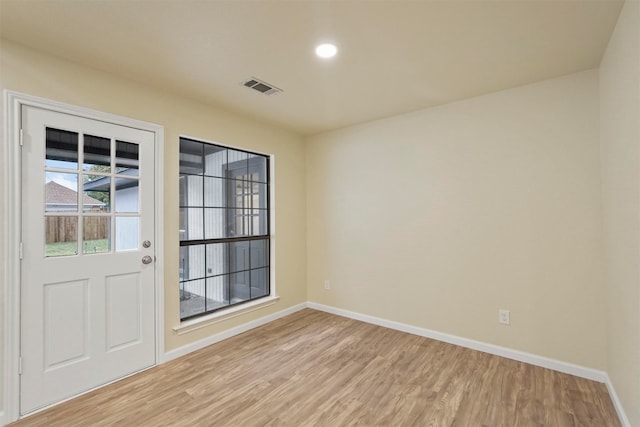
<point x="394" y="56"/>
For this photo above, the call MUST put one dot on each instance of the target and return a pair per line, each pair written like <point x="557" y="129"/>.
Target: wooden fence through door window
<point x="65" y="228"/>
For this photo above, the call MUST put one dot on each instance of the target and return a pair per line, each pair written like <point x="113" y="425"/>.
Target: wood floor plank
<point x="316" y="369"/>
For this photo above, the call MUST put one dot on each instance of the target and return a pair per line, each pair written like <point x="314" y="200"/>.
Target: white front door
<point x="87" y="289"/>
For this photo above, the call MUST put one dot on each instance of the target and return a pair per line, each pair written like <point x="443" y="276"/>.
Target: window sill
<point x="222" y="315"/>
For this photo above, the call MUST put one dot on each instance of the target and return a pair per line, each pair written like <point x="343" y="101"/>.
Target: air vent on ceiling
<point x="262" y="87"/>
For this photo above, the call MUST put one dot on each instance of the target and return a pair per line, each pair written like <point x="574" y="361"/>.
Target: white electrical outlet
<point x="327" y="285"/>
<point x="504" y="317"/>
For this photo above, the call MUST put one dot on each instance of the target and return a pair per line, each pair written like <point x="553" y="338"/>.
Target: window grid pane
<point x="224" y="236"/>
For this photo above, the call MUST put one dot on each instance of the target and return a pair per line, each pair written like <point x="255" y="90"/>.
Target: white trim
<point x="616" y="403"/>
<point x="10" y="162"/>
<point x="186" y="349"/>
<point x="159" y="237"/>
<point x="12" y="226"/>
<point x="556" y="365"/>
<point x="230" y="313"/>
<point x="272" y="227"/>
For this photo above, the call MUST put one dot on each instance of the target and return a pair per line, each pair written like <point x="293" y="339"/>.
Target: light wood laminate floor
<point x="316" y="369"/>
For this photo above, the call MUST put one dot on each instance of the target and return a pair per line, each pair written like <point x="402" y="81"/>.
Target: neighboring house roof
<point x="104" y="183"/>
<point x="57" y="194"/>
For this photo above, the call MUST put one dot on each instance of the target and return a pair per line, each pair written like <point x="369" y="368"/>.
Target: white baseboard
<point x="544" y="362"/>
<point x="556" y="365"/>
<point x="3" y="421"/>
<point x="181" y="351"/>
<point x="616" y="403"/>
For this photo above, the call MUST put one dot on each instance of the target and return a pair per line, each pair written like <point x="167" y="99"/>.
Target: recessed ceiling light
<point x="326" y="50"/>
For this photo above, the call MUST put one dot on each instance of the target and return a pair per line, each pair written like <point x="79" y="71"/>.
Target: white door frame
<point x="11" y="164"/>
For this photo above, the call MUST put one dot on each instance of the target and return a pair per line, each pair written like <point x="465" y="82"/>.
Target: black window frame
<point x="245" y="187"/>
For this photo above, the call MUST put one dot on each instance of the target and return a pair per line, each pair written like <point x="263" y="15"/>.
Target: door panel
<point x="87" y="300"/>
<point x="66" y="323"/>
<point x="123" y="310"/>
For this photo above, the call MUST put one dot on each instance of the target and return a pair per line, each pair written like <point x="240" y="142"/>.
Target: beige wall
<point x="620" y="142"/>
<point x="27" y="71"/>
<point x="440" y="217"/>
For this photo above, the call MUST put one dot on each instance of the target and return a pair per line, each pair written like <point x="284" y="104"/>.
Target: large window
<point x="224" y="227"/>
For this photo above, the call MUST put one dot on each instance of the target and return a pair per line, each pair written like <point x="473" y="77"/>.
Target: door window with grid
<point x="92" y="194"/>
<point x="224" y="227"/>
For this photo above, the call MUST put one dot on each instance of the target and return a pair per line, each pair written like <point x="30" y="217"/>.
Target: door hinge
<point x="20" y="252"/>
<point x="21" y="137"/>
<point x="20" y="365"/>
